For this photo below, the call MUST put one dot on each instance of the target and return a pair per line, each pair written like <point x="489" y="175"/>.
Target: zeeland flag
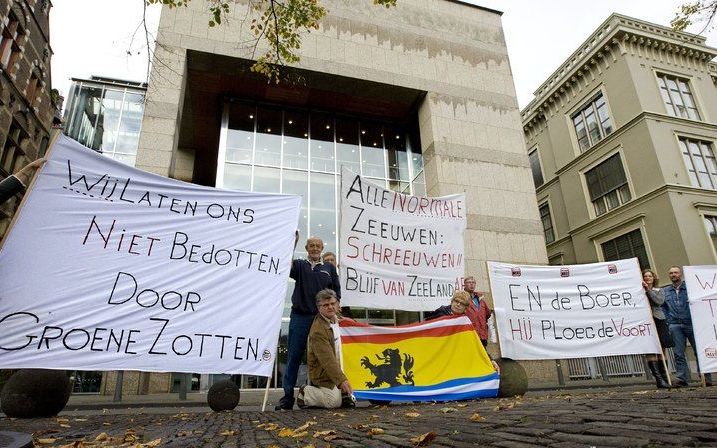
<point x="439" y="360"/>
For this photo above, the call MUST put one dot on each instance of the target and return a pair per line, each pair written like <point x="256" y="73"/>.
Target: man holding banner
<point x="680" y="321"/>
<point x="311" y="276"/>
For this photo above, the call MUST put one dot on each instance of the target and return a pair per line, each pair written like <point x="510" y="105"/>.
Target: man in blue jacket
<point x="311" y="276"/>
<point x="677" y="309"/>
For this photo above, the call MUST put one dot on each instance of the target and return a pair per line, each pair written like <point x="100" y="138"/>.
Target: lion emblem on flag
<point x="392" y="367"/>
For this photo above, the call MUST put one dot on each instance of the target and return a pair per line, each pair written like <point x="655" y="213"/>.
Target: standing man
<point x="328" y="386"/>
<point x="478" y="312"/>
<point x="311" y="276"/>
<point x="680" y="322"/>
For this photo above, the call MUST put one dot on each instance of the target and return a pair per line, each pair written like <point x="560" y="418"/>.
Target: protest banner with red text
<point x="399" y="251"/>
<point x="111" y="268"/>
<point x="577" y="311"/>
<point x="701" y="282"/>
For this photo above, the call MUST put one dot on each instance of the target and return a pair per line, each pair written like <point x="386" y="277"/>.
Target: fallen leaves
<point x="48" y="441"/>
<point x="228" y="432"/>
<point x="412" y="414"/>
<point x="268" y="426"/>
<point x="375" y="431"/>
<point x="476" y="417"/>
<point x="423" y="439"/>
<point x="447" y="410"/>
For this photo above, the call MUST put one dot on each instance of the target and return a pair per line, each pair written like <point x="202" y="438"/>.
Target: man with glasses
<point x="328" y="386"/>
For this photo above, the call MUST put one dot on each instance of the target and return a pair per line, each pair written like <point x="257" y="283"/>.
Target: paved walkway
<point x="611" y="417"/>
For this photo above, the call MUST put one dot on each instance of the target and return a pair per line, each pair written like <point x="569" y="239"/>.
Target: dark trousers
<point x="299" y="327"/>
<point x="681" y="333"/>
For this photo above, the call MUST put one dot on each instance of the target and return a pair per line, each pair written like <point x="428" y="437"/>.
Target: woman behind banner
<point x="657" y="298"/>
<point x="460" y="303"/>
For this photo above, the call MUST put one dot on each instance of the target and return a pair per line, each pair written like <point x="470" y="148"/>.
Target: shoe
<point x="680" y="383"/>
<point x="285" y="404"/>
<point x="709" y="383"/>
<point x="660" y="381"/>
<point x="348" y="401"/>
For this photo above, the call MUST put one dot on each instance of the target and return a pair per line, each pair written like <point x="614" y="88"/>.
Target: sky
<point x="102" y="38"/>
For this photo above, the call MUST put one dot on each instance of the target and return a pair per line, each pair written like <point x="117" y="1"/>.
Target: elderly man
<point x="479" y="312"/>
<point x="330" y="257"/>
<point x="311" y="276"/>
<point x="677" y="309"/>
<point x="327" y="381"/>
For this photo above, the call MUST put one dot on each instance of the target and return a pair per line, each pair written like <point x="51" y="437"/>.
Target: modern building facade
<point x="419" y="98"/>
<point x="621" y="142"/>
<point x="105" y="114"/>
<point x="27" y="104"/>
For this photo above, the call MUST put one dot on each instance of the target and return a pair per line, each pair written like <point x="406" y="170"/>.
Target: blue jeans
<point x="681" y="333"/>
<point x="299" y="327"/>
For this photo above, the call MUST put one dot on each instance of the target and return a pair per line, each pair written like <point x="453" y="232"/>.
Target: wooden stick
<point x="667" y="372"/>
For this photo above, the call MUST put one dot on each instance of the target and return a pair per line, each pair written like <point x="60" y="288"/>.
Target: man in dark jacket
<point x="311" y="276"/>
<point x="327" y="381"/>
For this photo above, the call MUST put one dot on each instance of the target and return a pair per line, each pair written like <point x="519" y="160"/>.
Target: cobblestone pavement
<point x="683" y="417"/>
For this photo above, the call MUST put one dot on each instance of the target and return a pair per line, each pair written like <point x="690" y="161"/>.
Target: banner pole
<point x="702" y="377"/>
<point x="667" y="372"/>
<point x="266" y="391"/>
<point x="495" y="316"/>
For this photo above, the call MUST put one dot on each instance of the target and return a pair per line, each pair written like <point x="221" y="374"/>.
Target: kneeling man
<point x="327" y="382"/>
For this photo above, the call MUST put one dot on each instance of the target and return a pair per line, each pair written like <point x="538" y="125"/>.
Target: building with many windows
<point x="419" y="98"/>
<point x="105" y="114"/>
<point x="621" y="142"/>
<point x="28" y="105"/>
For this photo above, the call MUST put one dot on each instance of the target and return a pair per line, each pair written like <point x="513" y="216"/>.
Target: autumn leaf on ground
<point x="76" y="444"/>
<point x="462" y="405"/>
<point x="80" y="419"/>
<point x="286" y="432"/>
<point x="375" y="431"/>
<point x="62" y="420"/>
<point x="447" y="410"/>
<point x="298" y="435"/>
<point x="102" y="437"/>
<point x="65" y="425"/>
<point x="412" y="414"/>
<point x="106" y="424"/>
<point x="319" y="434"/>
<point x="339" y="414"/>
<point x="359" y="427"/>
<point x="305" y="426"/>
<point x="228" y="432"/>
<point x="330" y="438"/>
<point x="423" y="439"/>
<point x="153" y="443"/>
<point x="477" y="417"/>
<point x="268" y="426"/>
<point x="374" y="417"/>
<point x="46" y="441"/>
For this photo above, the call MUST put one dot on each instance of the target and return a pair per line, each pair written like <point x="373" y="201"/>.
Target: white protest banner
<point x="578" y="311"/>
<point x="399" y="251"/>
<point x="701" y="282"/>
<point x="112" y="268"/>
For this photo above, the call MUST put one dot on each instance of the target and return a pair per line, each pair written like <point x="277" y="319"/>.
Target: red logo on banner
<point x="612" y="269"/>
<point x="515" y="272"/>
<point x="564" y="272"/>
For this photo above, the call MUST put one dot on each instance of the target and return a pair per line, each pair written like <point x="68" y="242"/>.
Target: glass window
<point x="296" y="182"/>
<point x="535" y="168"/>
<point x="12" y="37"/>
<point x="268" y="136"/>
<point x="628" y="245"/>
<point x="109" y="118"/>
<point x="237" y="177"/>
<point x="323" y="209"/>
<point x="544" y="210"/>
<point x="372" y="154"/>
<point x="296" y="142"/>
<point x="592" y="123"/>
<point x="677" y="96"/>
<point x="322" y="142"/>
<point x="395" y="140"/>
<point x="85" y="110"/>
<point x="607" y="185"/>
<point x="130" y="124"/>
<point x="240" y="133"/>
<point x="347" y="145"/>
<point x="267" y="180"/>
<point x="711" y="224"/>
<point x="13" y="157"/>
<point x="700" y="162"/>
